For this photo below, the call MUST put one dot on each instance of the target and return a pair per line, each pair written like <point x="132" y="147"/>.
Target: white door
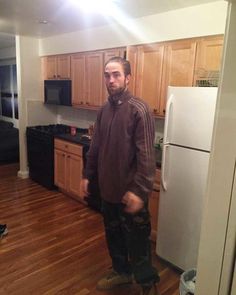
<point x="190" y="116"/>
<point x="180" y="211"/>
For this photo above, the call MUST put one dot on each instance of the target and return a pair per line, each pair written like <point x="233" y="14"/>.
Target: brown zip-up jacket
<point x="121" y="153"/>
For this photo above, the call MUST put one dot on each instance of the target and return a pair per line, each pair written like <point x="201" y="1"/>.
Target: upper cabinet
<point x="149" y="74"/>
<point x="176" y="63"/>
<point x="78" y="72"/>
<point x="178" y="69"/>
<point x="94" y="78"/>
<point x="107" y="55"/>
<point x="154" y="67"/>
<point x="132" y="56"/>
<point x="208" y="61"/>
<point x="56" y="67"/>
<point x="88" y="89"/>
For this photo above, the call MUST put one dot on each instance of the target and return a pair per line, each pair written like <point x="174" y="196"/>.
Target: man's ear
<point x="127" y="78"/>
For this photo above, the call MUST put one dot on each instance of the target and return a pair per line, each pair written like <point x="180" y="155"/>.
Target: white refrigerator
<point x="186" y="149"/>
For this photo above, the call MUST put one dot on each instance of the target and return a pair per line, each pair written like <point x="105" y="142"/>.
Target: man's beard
<point x="116" y="91"/>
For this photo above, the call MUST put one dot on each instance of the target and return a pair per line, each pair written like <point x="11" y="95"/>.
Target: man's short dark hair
<point x="125" y="64"/>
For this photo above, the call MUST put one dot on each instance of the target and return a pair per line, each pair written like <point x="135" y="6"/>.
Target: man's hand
<point x="84" y="187"/>
<point x="133" y="202"/>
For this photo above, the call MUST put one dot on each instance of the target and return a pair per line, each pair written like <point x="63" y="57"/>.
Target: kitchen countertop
<point x="78" y="138"/>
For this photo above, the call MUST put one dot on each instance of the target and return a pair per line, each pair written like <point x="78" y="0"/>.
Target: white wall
<point x="217" y="245"/>
<point x="6" y="53"/>
<point x="29" y="83"/>
<point x="201" y="20"/>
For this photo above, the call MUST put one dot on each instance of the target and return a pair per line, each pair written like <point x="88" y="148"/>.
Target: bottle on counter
<point x="73" y="130"/>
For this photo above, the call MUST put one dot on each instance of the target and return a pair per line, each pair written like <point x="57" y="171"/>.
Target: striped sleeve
<point x="142" y="183"/>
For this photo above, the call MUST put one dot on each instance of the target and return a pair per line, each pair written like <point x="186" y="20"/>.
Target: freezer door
<point x="181" y="206"/>
<point x="190" y="116"/>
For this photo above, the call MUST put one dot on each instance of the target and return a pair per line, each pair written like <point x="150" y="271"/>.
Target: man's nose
<point x="112" y="79"/>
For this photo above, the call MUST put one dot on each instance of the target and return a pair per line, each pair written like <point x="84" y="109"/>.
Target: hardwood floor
<point x="56" y="245"/>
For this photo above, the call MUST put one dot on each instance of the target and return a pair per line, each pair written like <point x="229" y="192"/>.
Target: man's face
<point x="115" y="79"/>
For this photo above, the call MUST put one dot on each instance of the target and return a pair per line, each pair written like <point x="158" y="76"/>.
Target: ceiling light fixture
<point x="42" y="21"/>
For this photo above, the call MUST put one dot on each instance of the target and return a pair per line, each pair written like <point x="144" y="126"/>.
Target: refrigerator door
<point x="190" y="116"/>
<point x="181" y="205"/>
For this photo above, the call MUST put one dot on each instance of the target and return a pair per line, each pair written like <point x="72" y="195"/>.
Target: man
<point x="121" y="155"/>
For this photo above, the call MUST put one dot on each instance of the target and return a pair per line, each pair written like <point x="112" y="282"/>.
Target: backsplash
<point x="41" y="114"/>
<point x="75" y="117"/>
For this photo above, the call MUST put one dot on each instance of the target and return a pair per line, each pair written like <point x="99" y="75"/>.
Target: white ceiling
<point x="22" y="16"/>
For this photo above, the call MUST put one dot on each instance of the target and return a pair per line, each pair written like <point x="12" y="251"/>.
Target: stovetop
<point x="51" y="129"/>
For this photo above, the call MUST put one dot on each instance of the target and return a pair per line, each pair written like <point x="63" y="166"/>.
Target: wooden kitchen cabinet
<point x="149" y="74"/>
<point x="87" y="79"/>
<point x="94" y="79"/>
<point x="78" y="77"/>
<point x="176" y="63"/>
<point x="208" y="60"/>
<point x="158" y="65"/>
<point x="154" y="205"/>
<point x="56" y="67"/>
<point x="132" y="57"/>
<point x="178" y="69"/>
<point x="107" y="55"/>
<point x="68" y="167"/>
<point x="88" y="88"/>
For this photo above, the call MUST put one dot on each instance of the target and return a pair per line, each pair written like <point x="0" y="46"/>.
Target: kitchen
<point x="65" y="115"/>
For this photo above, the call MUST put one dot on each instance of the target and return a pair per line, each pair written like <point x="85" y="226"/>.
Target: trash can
<point x="187" y="282"/>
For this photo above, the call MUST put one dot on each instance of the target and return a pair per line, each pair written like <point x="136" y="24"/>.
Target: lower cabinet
<point x="154" y="205"/>
<point x="68" y="167"/>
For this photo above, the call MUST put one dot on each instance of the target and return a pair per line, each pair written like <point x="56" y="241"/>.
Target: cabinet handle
<point x="66" y="146"/>
<point x="63" y="155"/>
<point x="58" y="76"/>
<point x="68" y="156"/>
<point x="164" y="111"/>
<point x="54" y="76"/>
<point x="155" y="111"/>
<point x="81" y="102"/>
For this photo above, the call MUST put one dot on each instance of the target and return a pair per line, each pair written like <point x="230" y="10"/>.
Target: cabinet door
<point x="60" y="168"/>
<point x="74" y="174"/>
<point x="57" y="67"/>
<point x="107" y="55"/>
<point x="63" y="67"/>
<point x="51" y="67"/>
<point x="178" y="67"/>
<point x="78" y="71"/>
<point x="149" y="72"/>
<point x="132" y="57"/>
<point x="209" y="52"/>
<point x="94" y="78"/>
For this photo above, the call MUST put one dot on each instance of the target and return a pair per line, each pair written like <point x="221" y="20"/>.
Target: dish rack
<point x="206" y="78"/>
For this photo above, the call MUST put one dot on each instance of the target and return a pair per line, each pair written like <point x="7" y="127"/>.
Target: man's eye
<point x="116" y="75"/>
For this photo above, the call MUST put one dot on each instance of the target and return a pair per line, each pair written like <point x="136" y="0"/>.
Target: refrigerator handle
<point x="169" y="110"/>
<point x="164" y="167"/>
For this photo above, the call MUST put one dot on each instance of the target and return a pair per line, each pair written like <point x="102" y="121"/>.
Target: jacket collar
<point x="120" y="98"/>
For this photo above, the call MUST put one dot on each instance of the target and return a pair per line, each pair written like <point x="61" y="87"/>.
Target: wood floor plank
<point x="55" y="244"/>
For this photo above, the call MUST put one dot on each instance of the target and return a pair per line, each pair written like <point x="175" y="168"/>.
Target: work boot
<point x="113" y="279"/>
<point x="152" y="290"/>
<point x="3" y="230"/>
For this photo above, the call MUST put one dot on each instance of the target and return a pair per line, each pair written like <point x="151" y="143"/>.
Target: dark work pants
<point x="128" y="242"/>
